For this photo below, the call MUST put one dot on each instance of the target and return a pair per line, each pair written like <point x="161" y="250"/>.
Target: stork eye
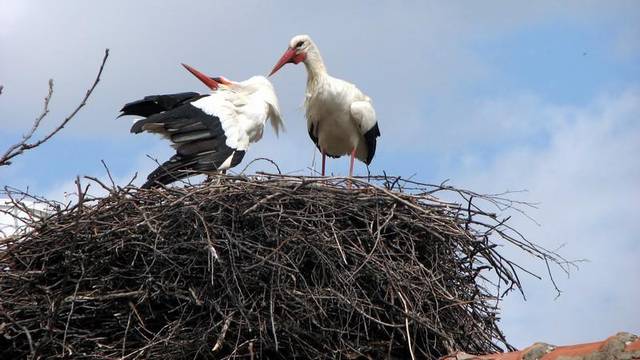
<point x="299" y="44"/>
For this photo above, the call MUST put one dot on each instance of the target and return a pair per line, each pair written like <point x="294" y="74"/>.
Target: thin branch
<point x="24" y="144"/>
<point x="18" y="148"/>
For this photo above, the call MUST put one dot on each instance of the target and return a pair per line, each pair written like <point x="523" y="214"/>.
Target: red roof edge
<point x="621" y="346"/>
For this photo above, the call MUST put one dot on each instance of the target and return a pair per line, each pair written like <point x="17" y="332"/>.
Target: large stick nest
<point x="264" y="267"/>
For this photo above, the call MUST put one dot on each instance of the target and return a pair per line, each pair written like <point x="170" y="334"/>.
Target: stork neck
<point x="315" y="68"/>
<point x="314" y="64"/>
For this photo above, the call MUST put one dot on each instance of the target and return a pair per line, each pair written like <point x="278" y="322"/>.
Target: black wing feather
<point x="157" y="103"/>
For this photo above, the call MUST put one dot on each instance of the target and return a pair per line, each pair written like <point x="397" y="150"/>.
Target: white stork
<point x="340" y="118"/>
<point x="210" y="132"/>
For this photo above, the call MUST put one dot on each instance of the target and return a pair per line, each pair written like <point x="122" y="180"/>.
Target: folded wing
<point x="363" y="114"/>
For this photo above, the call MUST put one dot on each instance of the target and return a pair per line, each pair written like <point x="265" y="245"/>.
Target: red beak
<point x="211" y="83"/>
<point x="287" y="57"/>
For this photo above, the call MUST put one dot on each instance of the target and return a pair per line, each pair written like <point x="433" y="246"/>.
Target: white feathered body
<point x="338" y="115"/>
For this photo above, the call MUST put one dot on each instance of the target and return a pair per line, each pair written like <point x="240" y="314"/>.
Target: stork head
<point x="297" y="52"/>
<point x="212" y="82"/>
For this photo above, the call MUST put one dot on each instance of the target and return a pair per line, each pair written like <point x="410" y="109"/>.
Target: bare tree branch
<point x="18" y="148"/>
<point x="24" y="144"/>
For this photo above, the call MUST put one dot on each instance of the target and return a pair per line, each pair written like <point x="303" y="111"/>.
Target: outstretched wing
<point x="363" y="114"/>
<point x="204" y="130"/>
<point x="158" y="103"/>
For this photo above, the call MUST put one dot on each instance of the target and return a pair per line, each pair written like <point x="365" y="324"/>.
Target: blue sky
<point x="493" y="96"/>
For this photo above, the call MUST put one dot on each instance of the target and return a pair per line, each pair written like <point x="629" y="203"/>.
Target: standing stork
<point x="210" y="132"/>
<point x="340" y="118"/>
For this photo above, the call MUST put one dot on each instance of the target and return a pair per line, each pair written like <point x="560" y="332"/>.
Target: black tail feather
<point x="171" y="170"/>
<point x="180" y="167"/>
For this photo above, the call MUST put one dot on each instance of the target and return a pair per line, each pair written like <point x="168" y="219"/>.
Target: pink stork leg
<point x="324" y="157"/>
<point x="353" y="156"/>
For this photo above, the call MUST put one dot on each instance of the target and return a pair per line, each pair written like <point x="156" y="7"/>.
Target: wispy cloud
<point x="585" y="178"/>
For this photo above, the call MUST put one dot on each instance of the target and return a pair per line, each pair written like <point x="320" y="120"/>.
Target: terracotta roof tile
<point x="622" y="346"/>
<point x="633" y="346"/>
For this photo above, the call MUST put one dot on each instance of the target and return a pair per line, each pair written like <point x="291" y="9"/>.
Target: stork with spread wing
<point x="210" y="132"/>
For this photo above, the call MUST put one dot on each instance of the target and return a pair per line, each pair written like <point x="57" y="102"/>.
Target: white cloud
<point x="587" y="180"/>
<point x="12" y="13"/>
<point x="416" y="50"/>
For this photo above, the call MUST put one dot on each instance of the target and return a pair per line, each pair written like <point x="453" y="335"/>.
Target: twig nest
<point x="276" y="267"/>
